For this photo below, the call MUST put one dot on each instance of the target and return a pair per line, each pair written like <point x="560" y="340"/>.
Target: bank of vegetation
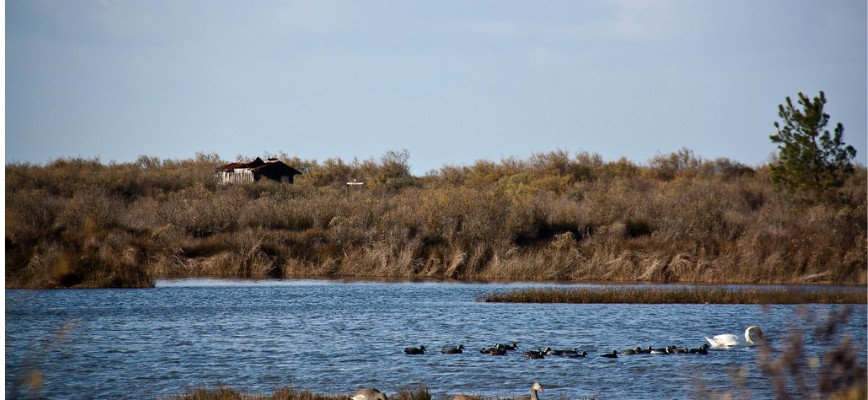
<point x="287" y="393"/>
<point x="555" y="216"/>
<point x="694" y="295"/>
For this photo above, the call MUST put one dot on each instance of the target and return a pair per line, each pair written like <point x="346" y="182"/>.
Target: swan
<point x="728" y="340"/>
<point x="533" y="389"/>
<point x="369" y="394"/>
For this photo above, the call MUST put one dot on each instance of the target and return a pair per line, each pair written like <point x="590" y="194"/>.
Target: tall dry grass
<point x="694" y="295"/>
<point x="554" y="216"/>
<point x="286" y="393"/>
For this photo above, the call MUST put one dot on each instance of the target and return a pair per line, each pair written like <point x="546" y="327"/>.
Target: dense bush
<point x="77" y="222"/>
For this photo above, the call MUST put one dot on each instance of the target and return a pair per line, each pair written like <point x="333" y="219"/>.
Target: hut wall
<point x="238" y="175"/>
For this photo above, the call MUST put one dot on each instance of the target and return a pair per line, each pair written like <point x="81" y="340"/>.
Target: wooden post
<point x="353" y="183"/>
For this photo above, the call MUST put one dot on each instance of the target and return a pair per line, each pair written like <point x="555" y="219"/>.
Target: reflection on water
<point x="335" y="336"/>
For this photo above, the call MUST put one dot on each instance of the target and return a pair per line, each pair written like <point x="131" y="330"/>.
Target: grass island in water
<point x="678" y="296"/>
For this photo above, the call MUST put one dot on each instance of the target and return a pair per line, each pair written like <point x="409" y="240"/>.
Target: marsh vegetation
<point x="287" y="393"/>
<point x="695" y="295"/>
<point x="551" y="217"/>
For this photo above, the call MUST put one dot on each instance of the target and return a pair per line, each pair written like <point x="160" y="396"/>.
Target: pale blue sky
<point x="450" y="81"/>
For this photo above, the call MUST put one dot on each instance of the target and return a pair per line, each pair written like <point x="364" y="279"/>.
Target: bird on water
<point x="533" y="392"/>
<point x="613" y="354"/>
<point x="535" y="354"/>
<point x="415" y="350"/>
<point x="368" y="394"/>
<point x="728" y="340"/>
<point x="453" y="350"/>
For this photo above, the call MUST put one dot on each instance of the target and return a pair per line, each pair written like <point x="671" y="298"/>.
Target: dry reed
<point x="696" y="295"/>
<point x="551" y="217"/>
<point x="286" y="393"/>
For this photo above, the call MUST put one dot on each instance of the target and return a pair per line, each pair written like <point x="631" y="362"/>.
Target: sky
<point x="451" y="82"/>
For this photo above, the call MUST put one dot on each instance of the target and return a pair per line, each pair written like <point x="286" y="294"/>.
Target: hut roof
<point x="253" y="164"/>
<point x="275" y="167"/>
<point x="272" y="169"/>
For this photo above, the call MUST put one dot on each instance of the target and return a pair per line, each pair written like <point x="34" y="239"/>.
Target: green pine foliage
<point x="811" y="159"/>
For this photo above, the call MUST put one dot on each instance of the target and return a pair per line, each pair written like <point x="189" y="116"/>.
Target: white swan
<point x="728" y="340"/>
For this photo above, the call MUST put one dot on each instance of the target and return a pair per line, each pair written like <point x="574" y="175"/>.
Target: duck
<point x="368" y="394"/>
<point x="700" y="350"/>
<point x="613" y="354"/>
<point x="512" y="346"/>
<point x="673" y="350"/>
<point x="660" y="351"/>
<point x="415" y="350"/>
<point x="574" y="353"/>
<point x="535" y="354"/>
<point x="728" y="340"/>
<point x="533" y="392"/>
<point x="496" y="351"/>
<point x="636" y="350"/>
<point x="562" y="353"/>
<point x="453" y="350"/>
<point x="677" y="350"/>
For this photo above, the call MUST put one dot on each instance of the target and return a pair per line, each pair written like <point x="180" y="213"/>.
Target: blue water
<point x="333" y="337"/>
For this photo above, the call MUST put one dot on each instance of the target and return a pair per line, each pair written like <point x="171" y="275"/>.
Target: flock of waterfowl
<point x="540" y="353"/>
<point x="752" y="335"/>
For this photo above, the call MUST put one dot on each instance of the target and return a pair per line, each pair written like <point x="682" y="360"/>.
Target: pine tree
<point x="810" y="158"/>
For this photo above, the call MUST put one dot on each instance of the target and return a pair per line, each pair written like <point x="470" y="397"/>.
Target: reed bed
<point x="552" y="217"/>
<point x="227" y="393"/>
<point x="677" y="296"/>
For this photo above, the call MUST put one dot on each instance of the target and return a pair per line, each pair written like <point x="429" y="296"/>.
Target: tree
<point x="810" y="157"/>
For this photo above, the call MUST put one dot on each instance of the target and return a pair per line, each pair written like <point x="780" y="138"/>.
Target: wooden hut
<point x="255" y="170"/>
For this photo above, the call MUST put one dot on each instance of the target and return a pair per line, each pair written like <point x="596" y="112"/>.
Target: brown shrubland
<point x="552" y="217"/>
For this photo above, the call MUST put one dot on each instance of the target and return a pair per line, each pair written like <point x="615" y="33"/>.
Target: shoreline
<point x="561" y="292"/>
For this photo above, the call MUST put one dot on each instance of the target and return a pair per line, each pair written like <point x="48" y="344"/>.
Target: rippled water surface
<point x="332" y="337"/>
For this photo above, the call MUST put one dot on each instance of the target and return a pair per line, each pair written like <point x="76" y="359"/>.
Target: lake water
<point x="333" y="337"/>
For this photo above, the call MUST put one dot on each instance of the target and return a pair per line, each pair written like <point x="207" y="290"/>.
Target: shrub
<point x="553" y="216"/>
